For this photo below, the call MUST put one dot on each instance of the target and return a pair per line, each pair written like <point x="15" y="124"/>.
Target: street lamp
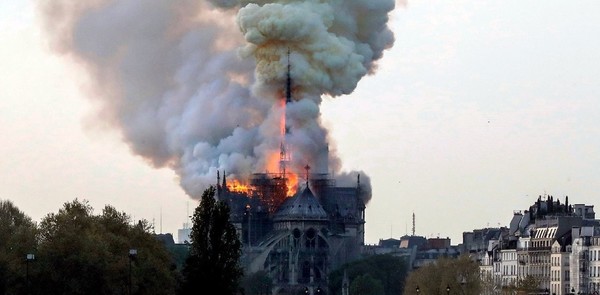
<point x="448" y="289"/>
<point x="249" y="213"/>
<point x="418" y="290"/>
<point x="132" y="256"/>
<point x="29" y="257"/>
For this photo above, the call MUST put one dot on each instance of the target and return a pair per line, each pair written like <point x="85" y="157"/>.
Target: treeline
<point x="75" y="251"/>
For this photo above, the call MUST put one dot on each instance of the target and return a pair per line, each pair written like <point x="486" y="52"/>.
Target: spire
<point x="307" y="168"/>
<point x="284" y="158"/>
<point x="358" y="189"/>
<point x="224" y="180"/>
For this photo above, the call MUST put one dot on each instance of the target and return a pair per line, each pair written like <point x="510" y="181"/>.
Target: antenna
<point x="413" y="228"/>
<point x="161" y="220"/>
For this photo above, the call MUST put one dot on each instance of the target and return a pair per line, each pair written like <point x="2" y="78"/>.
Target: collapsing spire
<point x="283" y="155"/>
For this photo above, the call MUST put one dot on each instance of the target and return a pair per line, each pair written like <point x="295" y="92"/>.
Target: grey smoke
<point x="195" y="86"/>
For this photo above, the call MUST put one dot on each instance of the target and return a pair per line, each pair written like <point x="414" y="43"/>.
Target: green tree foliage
<point x="390" y="271"/>
<point x="215" y="250"/>
<point x="258" y="283"/>
<point x="17" y="239"/>
<point x="366" y="285"/>
<point x="460" y="274"/>
<point x="81" y="253"/>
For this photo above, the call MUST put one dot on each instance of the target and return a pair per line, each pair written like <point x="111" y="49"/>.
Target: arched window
<point x="297" y="235"/>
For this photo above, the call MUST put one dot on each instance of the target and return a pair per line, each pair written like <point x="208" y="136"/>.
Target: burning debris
<point x="189" y="90"/>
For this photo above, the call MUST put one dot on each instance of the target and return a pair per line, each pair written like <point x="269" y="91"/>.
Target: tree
<point x="366" y="285"/>
<point x="488" y="284"/>
<point x="258" y="283"/>
<point x="17" y="239"/>
<point x="528" y="284"/>
<point x="81" y="253"/>
<point x="460" y="274"/>
<point x="215" y="250"/>
<point x="388" y="270"/>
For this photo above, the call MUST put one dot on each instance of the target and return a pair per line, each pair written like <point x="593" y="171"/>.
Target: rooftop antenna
<point x="413" y="228"/>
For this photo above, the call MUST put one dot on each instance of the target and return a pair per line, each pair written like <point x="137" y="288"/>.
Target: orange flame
<point x="238" y="187"/>
<point x="292" y="183"/>
<point x="275" y="157"/>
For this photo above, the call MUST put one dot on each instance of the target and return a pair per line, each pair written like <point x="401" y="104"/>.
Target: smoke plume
<point x="197" y="86"/>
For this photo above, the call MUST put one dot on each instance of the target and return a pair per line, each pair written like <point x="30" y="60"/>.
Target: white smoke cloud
<point x="190" y="90"/>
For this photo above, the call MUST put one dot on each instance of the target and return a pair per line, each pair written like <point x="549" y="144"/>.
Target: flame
<point x="275" y="157"/>
<point x="292" y="183"/>
<point x="238" y="187"/>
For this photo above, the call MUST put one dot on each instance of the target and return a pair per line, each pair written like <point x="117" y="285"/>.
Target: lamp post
<point x="418" y="290"/>
<point x="248" y="211"/>
<point x="448" y="289"/>
<point x="463" y="282"/>
<point x="29" y="257"/>
<point x="132" y="255"/>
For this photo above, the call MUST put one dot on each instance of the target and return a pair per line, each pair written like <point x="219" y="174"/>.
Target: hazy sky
<point x="478" y="108"/>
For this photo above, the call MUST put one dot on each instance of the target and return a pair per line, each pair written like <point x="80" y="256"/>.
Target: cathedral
<point x="297" y="240"/>
<point x="296" y="232"/>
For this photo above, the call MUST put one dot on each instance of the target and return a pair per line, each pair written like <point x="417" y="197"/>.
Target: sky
<point x="477" y="109"/>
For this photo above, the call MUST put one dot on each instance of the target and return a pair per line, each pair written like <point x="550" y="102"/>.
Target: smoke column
<point x="195" y="85"/>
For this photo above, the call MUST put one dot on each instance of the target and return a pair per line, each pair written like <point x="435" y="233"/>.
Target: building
<point x="296" y="239"/>
<point x="183" y="234"/>
<point x="551" y="242"/>
<point x="297" y="231"/>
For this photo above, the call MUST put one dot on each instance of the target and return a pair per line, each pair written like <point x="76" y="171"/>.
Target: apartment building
<point x="556" y="243"/>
